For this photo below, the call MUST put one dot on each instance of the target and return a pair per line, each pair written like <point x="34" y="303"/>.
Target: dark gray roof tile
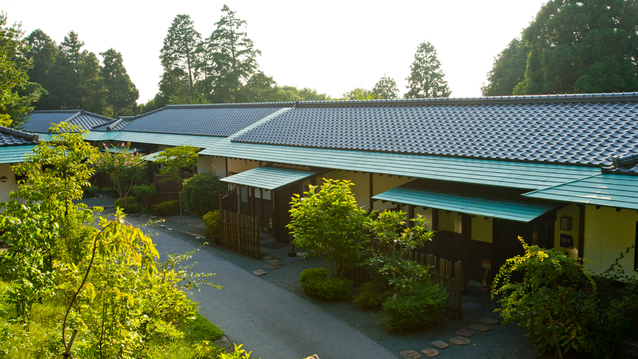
<point x="41" y="121"/>
<point x="571" y="129"/>
<point x="11" y="137"/>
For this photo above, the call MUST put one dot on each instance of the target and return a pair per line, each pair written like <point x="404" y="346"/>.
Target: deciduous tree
<point x="175" y="160"/>
<point x="426" y="78"/>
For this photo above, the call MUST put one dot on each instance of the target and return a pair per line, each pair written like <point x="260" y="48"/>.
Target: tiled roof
<point x="11" y="137"/>
<point x="40" y="121"/>
<point x="563" y="129"/>
<point x="203" y="120"/>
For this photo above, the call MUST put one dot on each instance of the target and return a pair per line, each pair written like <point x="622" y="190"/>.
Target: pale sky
<point x="332" y="46"/>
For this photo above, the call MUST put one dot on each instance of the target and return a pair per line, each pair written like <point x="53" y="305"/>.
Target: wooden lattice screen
<point x="239" y="233"/>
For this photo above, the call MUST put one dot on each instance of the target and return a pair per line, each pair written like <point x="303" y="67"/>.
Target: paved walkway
<point x="266" y="319"/>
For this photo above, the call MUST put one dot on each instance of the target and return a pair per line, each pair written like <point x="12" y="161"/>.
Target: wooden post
<point x="466" y="233"/>
<point x="410" y="215"/>
<point x="371" y="192"/>
<point x="581" y="231"/>
<point x="435" y="219"/>
<point x="252" y="200"/>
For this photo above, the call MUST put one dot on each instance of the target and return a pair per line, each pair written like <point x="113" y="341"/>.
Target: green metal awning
<point x="14" y="154"/>
<point x="531" y="176"/>
<point x="270" y="178"/>
<point x="611" y="190"/>
<point x="518" y="211"/>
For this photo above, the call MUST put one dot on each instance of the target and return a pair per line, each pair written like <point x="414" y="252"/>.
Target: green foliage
<point x="200" y="329"/>
<point x="554" y="299"/>
<point x="386" y="88"/>
<point x="90" y="191"/>
<point x="571" y="47"/>
<point x="400" y="272"/>
<point x="143" y="193"/>
<point x="415" y="308"/>
<point x="238" y="353"/>
<point x="231" y="58"/>
<point x="110" y="191"/>
<point x="44" y="229"/>
<point x="106" y="308"/>
<point x="372" y="295"/>
<point x="16" y="92"/>
<point x="315" y="282"/>
<point x="128" y="204"/>
<point x="507" y="71"/>
<point x="212" y="224"/>
<point x="327" y="222"/>
<point x="360" y="94"/>
<point x="192" y="189"/>
<point x="175" y="161"/>
<point x="122" y="166"/>
<point x="121" y="93"/>
<point x="167" y="208"/>
<point x="426" y="78"/>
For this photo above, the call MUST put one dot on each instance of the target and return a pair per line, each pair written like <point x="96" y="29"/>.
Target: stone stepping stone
<point x="272" y="267"/>
<point x="429" y="352"/>
<point x="480" y="328"/>
<point x="152" y="217"/>
<point x="440" y="344"/>
<point x="410" y="354"/>
<point x="275" y="262"/>
<point x="460" y="341"/>
<point x="489" y="320"/>
<point x="464" y="332"/>
<point x="268" y="257"/>
<point x="259" y="272"/>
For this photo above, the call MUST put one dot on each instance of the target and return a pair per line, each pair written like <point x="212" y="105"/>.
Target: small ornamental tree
<point x="328" y="222"/>
<point x="122" y="166"/>
<point x="175" y="161"/>
<point x="400" y="272"/>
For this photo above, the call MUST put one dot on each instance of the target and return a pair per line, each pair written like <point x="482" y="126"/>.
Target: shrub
<point x="192" y="189"/>
<point x="211" y="222"/>
<point x="315" y="282"/>
<point x="167" y="208"/>
<point x="110" y="191"/>
<point x="143" y="193"/>
<point x="328" y="224"/>
<point x="128" y="206"/>
<point x="415" y="308"/>
<point x="562" y="306"/>
<point x="372" y="295"/>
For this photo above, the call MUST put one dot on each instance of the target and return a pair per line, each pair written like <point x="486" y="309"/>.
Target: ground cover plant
<point x="566" y="309"/>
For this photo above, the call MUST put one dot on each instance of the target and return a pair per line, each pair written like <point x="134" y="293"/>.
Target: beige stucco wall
<point x="237" y="166"/>
<point x="385" y="183"/>
<point x="208" y="163"/>
<point x="451" y="222"/>
<point x="7" y="187"/>
<point x="572" y="211"/>
<point x="607" y="234"/>
<point x="482" y="229"/>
